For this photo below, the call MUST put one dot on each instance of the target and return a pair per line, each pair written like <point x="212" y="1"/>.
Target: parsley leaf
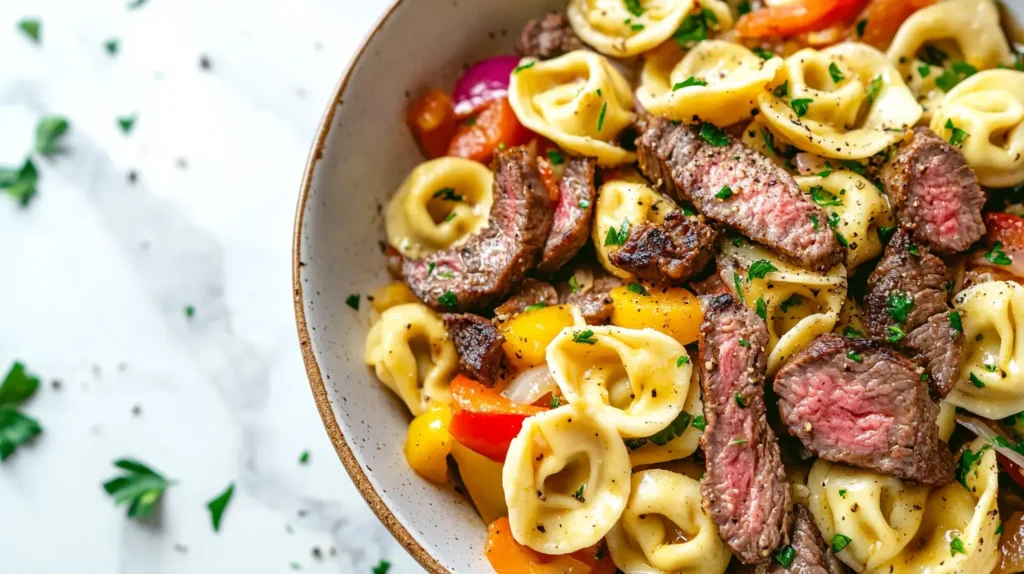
<point x="142" y="487"/>
<point x="18" y="386"/>
<point x="127" y="123"/>
<point x="48" y="133"/>
<point x="586" y="337"/>
<point x="898" y="306"/>
<point x="932" y="56"/>
<point x="968" y="460"/>
<point x="997" y="255"/>
<point x="852" y="333"/>
<point x="578" y="495"/>
<point x="799" y="106"/>
<point x="32" y="28"/>
<point x="769" y="140"/>
<point x="955" y="323"/>
<point x="600" y="118"/>
<point x="975" y="380"/>
<point x="20" y="183"/>
<point x="854" y="166"/>
<point x="824" y="198"/>
<point x="674" y="430"/>
<point x="956" y="135"/>
<point x="352" y="301"/>
<point x="884" y="233"/>
<point x="825" y="172"/>
<point x="956" y="545"/>
<point x="556" y="401"/>
<point x="583" y="204"/>
<point x="840" y="542"/>
<point x="923" y="70"/>
<point x="737" y="442"/>
<point x="522" y="67"/>
<point x="16" y="429"/>
<point x="785" y="556"/>
<point x="724" y="193"/>
<point x="694" y="28"/>
<point x="634" y="7"/>
<point x="814" y="221"/>
<point x="448" y="299"/>
<point x="782" y="90"/>
<point x="618" y="237"/>
<point x="218" y="505"/>
<point x="895" y="333"/>
<point x="682" y="360"/>
<point x="112" y="46"/>
<point x="743" y="8"/>
<point x="447" y="194"/>
<point x="304" y="457"/>
<point x="574" y="284"/>
<point x="854" y="356"/>
<point x="691" y="81"/>
<point x="739" y="400"/>
<point x="713" y="135"/>
<point x="835" y="72"/>
<point x="763" y="54"/>
<point x="737" y="280"/>
<point x="792" y="301"/>
<point x="861" y="24"/>
<point x="638" y="289"/>
<point x="555" y="157"/>
<point x="744" y="343"/>
<point x="874" y="88"/>
<point x="382" y="567"/>
<point x="699" y="423"/>
<point x="761" y="309"/>
<point x="759" y="269"/>
<point x="535" y="307"/>
<point x="952" y="76"/>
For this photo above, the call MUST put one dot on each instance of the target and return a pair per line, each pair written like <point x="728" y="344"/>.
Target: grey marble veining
<point x="99" y="270"/>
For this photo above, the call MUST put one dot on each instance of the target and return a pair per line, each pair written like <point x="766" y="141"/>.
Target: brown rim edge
<point x="316" y="383"/>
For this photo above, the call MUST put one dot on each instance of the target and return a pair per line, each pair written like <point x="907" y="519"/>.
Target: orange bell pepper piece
<point x="509" y="557"/>
<point x="432" y="121"/>
<point x="884" y="18"/>
<point x="483" y="420"/>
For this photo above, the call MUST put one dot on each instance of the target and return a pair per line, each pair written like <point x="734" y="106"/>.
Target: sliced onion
<point x="530" y="385"/>
<point x="1016" y="268"/>
<point x="484" y="81"/>
<point x="584" y="280"/>
<point x="809" y="164"/>
<point x="981" y="428"/>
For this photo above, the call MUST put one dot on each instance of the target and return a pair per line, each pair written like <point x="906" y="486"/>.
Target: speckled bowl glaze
<point x="361" y="154"/>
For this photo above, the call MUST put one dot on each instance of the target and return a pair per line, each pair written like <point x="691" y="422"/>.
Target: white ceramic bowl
<point x="361" y="154"/>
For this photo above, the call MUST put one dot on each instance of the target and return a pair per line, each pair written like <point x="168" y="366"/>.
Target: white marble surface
<point x="97" y="273"/>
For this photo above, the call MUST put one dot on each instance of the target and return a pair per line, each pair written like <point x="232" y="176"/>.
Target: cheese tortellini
<point x="578" y="100"/>
<point x="651" y="452"/>
<point x="412" y="355"/>
<point x="989" y="106"/>
<point x="716" y="82"/>
<point x="854" y="208"/>
<point x="878" y="513"/>
<point x="946" y="35"/>
<point x="798" y="304"/>
<point x="664" y="529"/>
<point x="954" y="513"/>
<point x="622" y="203"/>
<point x="440" y="204"/>
<point x="566" y="480"/>
<point x="613" y="29"/>
<point x="992" y="315"/>
<point x="845" y="102"/>
<point x="632" y="379"/>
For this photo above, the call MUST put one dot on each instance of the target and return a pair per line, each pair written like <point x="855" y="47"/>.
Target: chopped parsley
<point x="895" y="333"/>
<point x="135" y="4"/>
<point x="724" y="193"/>
<point x="450" y="217"/>
<point x="861" y="24"/>
<point x="840" y="542"/>
<point x="744" y="343"/>
<point x="574" y="284"/>
<point x="617" y="236"/>
<point x="638" y="289"/>
<point x="955" y="322"/>
<point x="841" y="239"/>
<point x="884" y="233"/>
<point x="913" y="250"/>
<point x="218" y="505"/>
<point x="674" y="430"/>
<point x="448" y="299"/>
<point x="32" y="28"/>
<point x="535" y="306"/>
<point x="600" y="118"/>
<point x="737" y="280"/>
<point x="764" y="54"/>
<point x="351" y="301"/>
<point x="586" y="337"/>
<point x="825" y="172"/>
<point x="874" y="88"/>
<point x="824" y="198"/>
<point x="799" y="106"/>
<point x="699" y="423"/>
<point x="956" y="135"/>
<point x="556" y="401"/>
<point x="127" y="123"/>
<point x="759" y="269"/>
<point x="190" y="311"/>
<point x="743" y="8"/>
<point x="382" y="567"/>
<point x="634" y="7"/>
<point x="956" y="546"/>
<point x="141" y="487"/>
<point x="20" y="183"/>
<point x="739" y="400"/>
<point x="968" y="460"/>
<point x="852" y="333"/>
<point x="835" y="72"/>
<point x="898" y="306"/>
<point x="682" y="360"/>
<point x="304" y="457"/>
<point x="854" y="356"/>
<point x="854" y="166"/>
<point x="112" y="46"/>
<point x="814" y="221"/>
<point x="761" y="309"/>
<point x="792" y="301"/>
<point x="785" y="556"/>
<point x="833" y="220"/>
<point x="842" y="493"/>
<point x="555" y="157"/>
<point x="999" y="529"/>
<point x="932" y="56"/>
<point x="583" y="204"/>
<point x="923" y="70"/>
<point x="769" y="139"/>
<point x="782" y="90"/>
<point x="634" y="443"/>
<point x="991" y="369"/>
<point x="447" y="194"/>
<point x="691" y="81"/>
<point x="956" y="73"/>
<point x="522" y="67"/>
<point x="713" y="135"/>
<point x="48" y="133"/>
<point x="997" y="255"/>
<point x="695" y="28"/>
<point x="737" y="442"/>
<point x="976" y="381"/>
<point x="578" y="495"/>
<point x="16" y="428"/>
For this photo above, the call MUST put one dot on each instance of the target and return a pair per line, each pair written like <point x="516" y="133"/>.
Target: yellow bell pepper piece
<point x="428" y="443"/>
<point x="482" y="477"/>
<point x="671" y="310"/>
<point x="527" y="335"/>
<point x="386" y="297"/>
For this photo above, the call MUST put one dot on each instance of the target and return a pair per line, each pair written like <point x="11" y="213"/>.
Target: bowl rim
<point x="316" y="383"/>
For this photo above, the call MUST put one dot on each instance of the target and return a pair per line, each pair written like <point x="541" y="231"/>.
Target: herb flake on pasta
<point x="956" y="135"/>
<point x="835" y="73"/>
<point x="585" y="337"/>
<point x="674" y="430"/>
<point x="840" y="542"/>
<point x="760" y="268"/>
<point x="638" y="289"/>
<point x="691" y="81"/>
<point x="997" y="256"/>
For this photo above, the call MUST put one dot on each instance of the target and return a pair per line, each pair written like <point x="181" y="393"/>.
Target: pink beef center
<point x="839" y="417"/>
<point x="940" y="201"/>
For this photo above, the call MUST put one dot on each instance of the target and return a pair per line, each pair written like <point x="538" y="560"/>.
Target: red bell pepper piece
<point x="1005" y="228"/>
<point x="495" y="126"/>
<point x="483" y="420"/>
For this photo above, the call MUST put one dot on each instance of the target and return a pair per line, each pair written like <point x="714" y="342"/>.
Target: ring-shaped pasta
<point x="860" y="209"/>
<point x="799" y="304"/>
<point x="763" y="139"/>
<point x="631" y="378"/>
<point x="558" y="455"/>
<point x="441" y="203"/>
<point x="410" y="351"/>
<point x="852" y="115"/>
<point x="650" y="452"/>
<point x="989" y="107"/>
<point x="954" y="512"/>
<point x="577" y="100"/>
<point x="878" y="513"/>
<point x="966" y="31"/>
<point x="724" y="80"/>
<point x="612" y="29"/>
<point x="851" y="319"/>
<point x="992" y="315"/>
<point x="622" y="203"/>
<point x="665" y="530"/>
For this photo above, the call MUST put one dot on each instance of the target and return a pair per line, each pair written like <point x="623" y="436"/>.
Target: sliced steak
<point x="669" y="252"/>
<point x="906" y="304"/>
<point x="478" y="343"/>
<point x="490" y="264"/>
<point x="591" y="295"/>
<point x="574" y="213"/>
<point x="766" y="204"/>
<point x="712" y="285"/>
<point x="744" y="488"/>
<point x="935" y="192"/>
<point x="547" y="37"/>
<point x="858" y="402"/>
<point x="530" y="292"/>
<point x="811" y="555"/>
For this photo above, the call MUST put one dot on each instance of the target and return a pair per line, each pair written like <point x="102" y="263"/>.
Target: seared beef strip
<point x="935" y="192"/>
<point x="906" y="304"/>
<point x="811" y="555"/>
<point x="490" y="264"/>
<point x="858" y="402"/>
<point x="574" y="213"/>
<point x="765" y="203"/>
<point x="669" y="252"/>
<point x="744" y="488"/>
<point x="547" y="37"/>
<point x="592" y="297"/>
<point x="478" y="343"/>
<point x="531" y="292"/>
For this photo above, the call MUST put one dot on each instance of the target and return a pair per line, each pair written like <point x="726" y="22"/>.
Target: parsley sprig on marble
<point x="16" y="428"/>
<point x="140" y="487"/>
